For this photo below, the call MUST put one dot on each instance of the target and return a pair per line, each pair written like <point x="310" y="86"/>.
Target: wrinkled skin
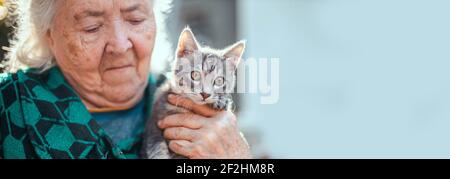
<point x="103" y="48"/>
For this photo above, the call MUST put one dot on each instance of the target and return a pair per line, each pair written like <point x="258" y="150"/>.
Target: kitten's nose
<point x="205" y="95"/>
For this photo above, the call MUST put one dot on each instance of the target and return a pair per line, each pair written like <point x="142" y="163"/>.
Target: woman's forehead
<point x="87" y="8"/>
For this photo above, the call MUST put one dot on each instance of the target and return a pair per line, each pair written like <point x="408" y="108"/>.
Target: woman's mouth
<point x="119" y="67"/>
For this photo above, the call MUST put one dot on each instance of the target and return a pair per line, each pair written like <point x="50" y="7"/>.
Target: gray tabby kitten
<point x="202" y="74"/>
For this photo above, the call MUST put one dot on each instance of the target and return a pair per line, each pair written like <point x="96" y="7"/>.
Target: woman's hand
<point x="205" y="133"/>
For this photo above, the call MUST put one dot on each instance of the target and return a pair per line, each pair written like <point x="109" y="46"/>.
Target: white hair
<point x="29" y="48"/>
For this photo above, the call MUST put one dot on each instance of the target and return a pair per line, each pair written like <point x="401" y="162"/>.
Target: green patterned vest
<point x="41" y="117"/>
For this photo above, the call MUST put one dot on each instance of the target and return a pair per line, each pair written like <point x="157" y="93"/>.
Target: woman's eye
<point x="195" y="75"/>
<point x="219" y="81"/>
<point x="136" y="21"/>
<point x="92" y="29"/>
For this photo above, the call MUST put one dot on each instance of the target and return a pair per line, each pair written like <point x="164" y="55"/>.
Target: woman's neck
<point x="95" y="105"/>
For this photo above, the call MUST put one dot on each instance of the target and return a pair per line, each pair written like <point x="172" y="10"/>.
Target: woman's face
<point x="103" y="48"/>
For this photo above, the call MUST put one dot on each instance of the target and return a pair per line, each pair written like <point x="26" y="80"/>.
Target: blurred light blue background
<point x="359" y="78"/>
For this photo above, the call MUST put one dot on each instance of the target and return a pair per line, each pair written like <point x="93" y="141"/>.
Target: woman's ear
<point x="234" y="52"/>
<point x="49" y="39"/>
<point x="187" y="43"/>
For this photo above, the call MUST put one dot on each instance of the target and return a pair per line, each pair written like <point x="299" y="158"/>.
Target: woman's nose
<point x="119" y="41"/>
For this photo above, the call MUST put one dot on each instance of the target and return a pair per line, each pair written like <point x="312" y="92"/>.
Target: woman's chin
<point x="121" y="76"/>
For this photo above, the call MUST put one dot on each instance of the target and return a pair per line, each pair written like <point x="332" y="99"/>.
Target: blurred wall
<point x="357" y="78"/>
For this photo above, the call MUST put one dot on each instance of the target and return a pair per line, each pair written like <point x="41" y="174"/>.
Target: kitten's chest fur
<point x="154" y="145"/>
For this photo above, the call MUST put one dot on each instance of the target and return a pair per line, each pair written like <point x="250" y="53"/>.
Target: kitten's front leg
<point x="154" y="145"/>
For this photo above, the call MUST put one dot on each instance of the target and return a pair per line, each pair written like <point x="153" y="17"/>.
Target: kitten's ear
<point x="235" y="52"/>
<point x="187" y="43"/>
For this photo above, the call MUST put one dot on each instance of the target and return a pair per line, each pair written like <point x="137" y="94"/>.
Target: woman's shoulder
<point x="25" y="75"/>
<point x="10" y="83"/>
<point x="8" y="77"/>
<point x="5" y="78"/>
<point x="8" y="91"/>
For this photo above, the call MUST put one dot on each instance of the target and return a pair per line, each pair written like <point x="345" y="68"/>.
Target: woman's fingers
<point x="203" y="110"/>
<point x="191" y="121"/>
<point x="182" y="147"/>
<point x="180" y="133"/>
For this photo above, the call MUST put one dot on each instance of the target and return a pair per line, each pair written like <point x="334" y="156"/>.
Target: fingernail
<point x="159" y="123"/>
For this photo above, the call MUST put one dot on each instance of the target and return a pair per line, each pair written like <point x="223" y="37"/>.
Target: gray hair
<point x="29" y="48"/>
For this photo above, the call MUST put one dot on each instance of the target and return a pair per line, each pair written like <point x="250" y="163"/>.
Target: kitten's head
<point x="205" y="75"/>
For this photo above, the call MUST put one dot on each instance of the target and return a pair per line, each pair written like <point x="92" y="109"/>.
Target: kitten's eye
<point x="219" y="81"/>
<point x="195" y="75"/>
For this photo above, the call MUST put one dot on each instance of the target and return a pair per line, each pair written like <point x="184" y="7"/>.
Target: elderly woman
<point x="80" y="86"/>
